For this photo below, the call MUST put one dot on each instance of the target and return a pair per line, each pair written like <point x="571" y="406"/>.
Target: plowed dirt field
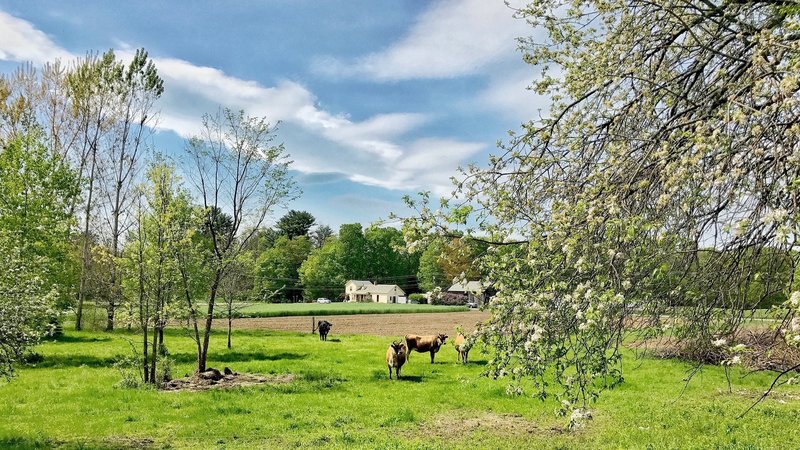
<point x="373" y="324"/>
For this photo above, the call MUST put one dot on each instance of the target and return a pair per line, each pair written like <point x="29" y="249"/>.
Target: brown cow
<point x="424" y="344"/>
<point x="462" y="346"/>
<point x="396" y="356"/>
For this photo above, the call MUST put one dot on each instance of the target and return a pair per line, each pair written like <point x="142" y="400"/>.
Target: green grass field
<point x="343" y="399"/>
<point x="339" y="308"/>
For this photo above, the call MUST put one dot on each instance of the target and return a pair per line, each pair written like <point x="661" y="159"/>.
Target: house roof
<point x="366" y="287"/>
<point x="469" y="286"/>
<point x="383" y="288"/>
<point x="359" y="283"/>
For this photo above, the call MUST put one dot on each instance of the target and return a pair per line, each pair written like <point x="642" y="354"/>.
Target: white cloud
<point x="371" y="151"/>
<point x="452" y="38"/>
<point x="428" y="162"/>
<point x="21" y="41"/>
<point x="508" y="94"/>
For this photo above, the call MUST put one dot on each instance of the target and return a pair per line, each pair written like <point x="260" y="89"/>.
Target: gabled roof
<point x="383" y="288"/>
<point x="469" y="286"/>
<point x="359" y="283"/>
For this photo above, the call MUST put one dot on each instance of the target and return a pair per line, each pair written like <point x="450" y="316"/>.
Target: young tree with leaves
<point x="136" y="86"/>
<point x="36" y="188"/>
<point x="236" y="168"/>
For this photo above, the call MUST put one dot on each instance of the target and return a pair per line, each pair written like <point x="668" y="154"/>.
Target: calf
<point x="323" y="326"/>
<point x="462" y="346"/>
<point x="424" y="344"/>
<point x="396" y="356"/>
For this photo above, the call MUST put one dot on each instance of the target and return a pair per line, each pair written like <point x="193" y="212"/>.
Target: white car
<point x="323" y="300"/>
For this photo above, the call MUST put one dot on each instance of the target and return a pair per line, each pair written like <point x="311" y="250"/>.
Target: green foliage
<point x="323" y="273"/>
<point x="431" y="273"/>
<point x="278" y="269"/>
<point x="377" y="254"/>
<point x="295" y="224"/>
<point x="418" y="297"/>
<point x="353" y="252"/>
<point x="35" y="188"/>
<point x="388" y="261"/>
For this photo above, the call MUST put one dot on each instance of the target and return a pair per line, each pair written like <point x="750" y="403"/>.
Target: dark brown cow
<point x="424" y="344"/>
<point x="324" y="327"/>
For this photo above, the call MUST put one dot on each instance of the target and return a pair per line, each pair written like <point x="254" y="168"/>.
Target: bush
<point x="417" y="297"/>
<point x="439" y="297"/>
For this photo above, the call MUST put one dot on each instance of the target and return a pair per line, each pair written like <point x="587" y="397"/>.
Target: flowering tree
<point x="35" y="189"/>
<point x="667" y="165"/>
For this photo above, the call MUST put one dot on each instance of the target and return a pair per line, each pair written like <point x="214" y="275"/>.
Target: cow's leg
<point x="398" y="373"/>
<point x="432" y="353"/>
<point x="390" y="372"/>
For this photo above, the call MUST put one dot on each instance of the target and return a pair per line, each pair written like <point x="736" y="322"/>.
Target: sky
<point x="376" y="99"/>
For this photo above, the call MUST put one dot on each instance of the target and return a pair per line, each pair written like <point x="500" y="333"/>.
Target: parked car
<point x="472" y="305"/>
<point x="323" y="300"/>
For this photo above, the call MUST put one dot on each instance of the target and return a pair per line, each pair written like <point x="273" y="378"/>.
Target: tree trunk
<point x="144" y="353"/>
<point x="230" y="325"/>
<point x="202" y="357"/>
<point x="86" y="251"/>
<point x="192" y="311"/>
<point x="155" y="353"/>
<point x="163" y="348"/>
<point x="110" y="313"/>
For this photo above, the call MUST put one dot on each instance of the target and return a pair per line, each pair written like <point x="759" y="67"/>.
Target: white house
<point x="356" y="291"/>
<point x="472" y="289"/>
<point x="365" y="291"/>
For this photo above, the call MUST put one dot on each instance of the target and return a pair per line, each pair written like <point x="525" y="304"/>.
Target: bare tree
<point x="237" y="169"/>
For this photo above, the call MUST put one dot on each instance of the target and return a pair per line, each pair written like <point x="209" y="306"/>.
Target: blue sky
<point x="377" y="99"/>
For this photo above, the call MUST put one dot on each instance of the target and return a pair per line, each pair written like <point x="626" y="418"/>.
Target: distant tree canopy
<point x="447" y="260"/>
<point x="320" y="234"/>
<point x="673" y="128"/>
<point x="376" y="255"/>
<point x="277" y="269"/>
<point x="295" y="223"/>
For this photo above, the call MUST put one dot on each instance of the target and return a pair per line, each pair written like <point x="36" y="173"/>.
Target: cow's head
<point x="441" y="337"/>
<point x="397" y="346"/>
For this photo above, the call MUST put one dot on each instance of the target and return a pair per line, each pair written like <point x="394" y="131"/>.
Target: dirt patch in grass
<point x="775" y="395"/>
<point x="764" y="350"/>
<point x="457" y="424"/>
<point x="129" y="442"/>
<point x="196" y="383"/>
<point x="371" y="324"/>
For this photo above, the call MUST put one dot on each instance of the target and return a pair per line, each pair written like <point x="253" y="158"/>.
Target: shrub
<point x="417" y="297"/>
<point x="452" y="299"/>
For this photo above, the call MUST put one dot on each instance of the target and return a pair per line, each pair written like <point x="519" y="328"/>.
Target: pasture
<point x="341" y="398"/>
